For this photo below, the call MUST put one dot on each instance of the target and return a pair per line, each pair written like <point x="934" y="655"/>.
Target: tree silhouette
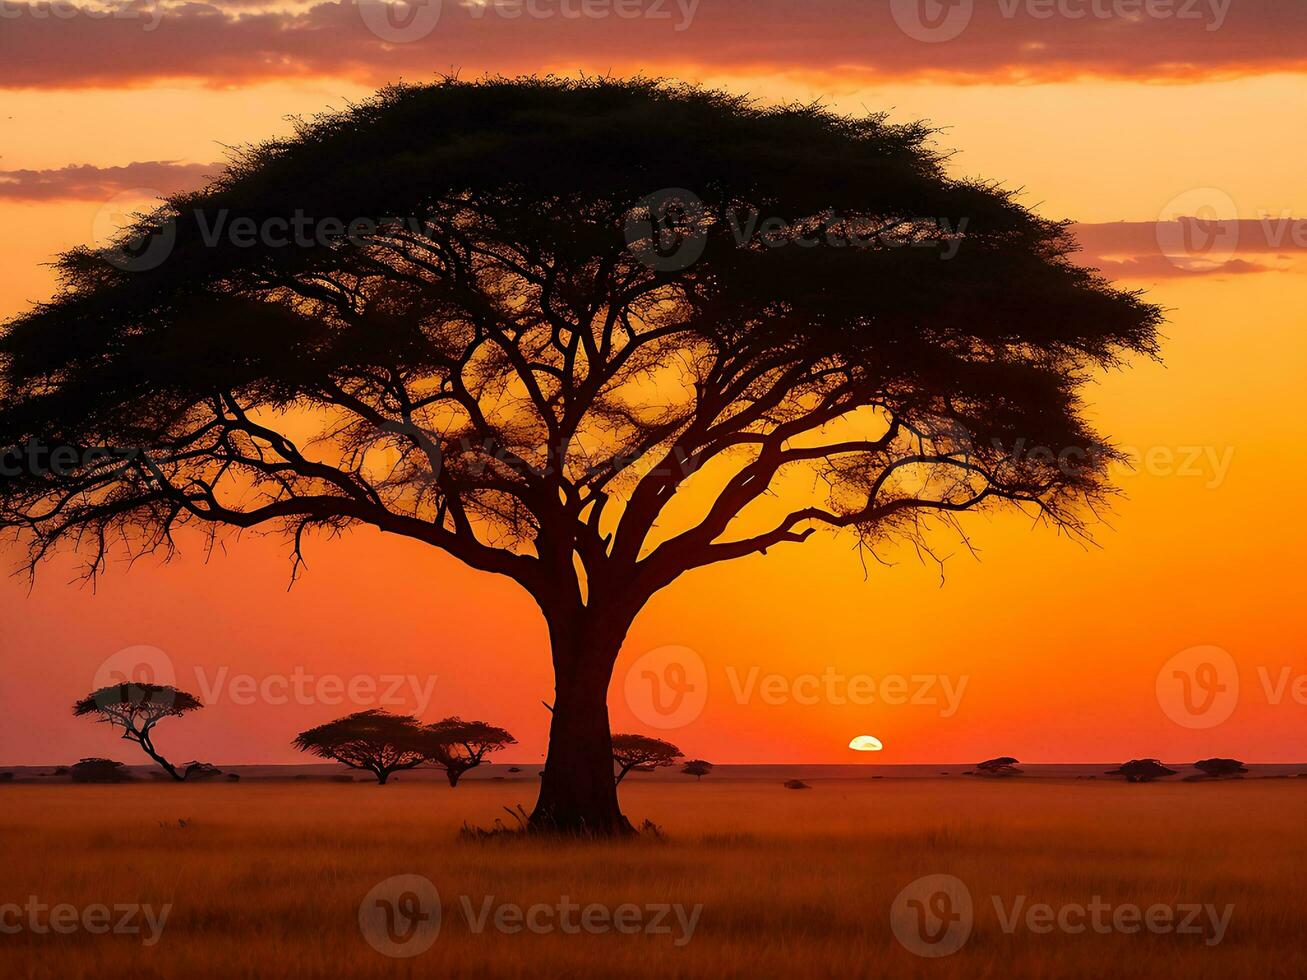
<point x="1141" y="770"/>
<point x="375" y="740"/>
<point x="1220" y="768"/>
<point x="1002" y="766"/>
<point x="527" y="315"/>
<point x="642" y="753"/>
<point x="457" y="745"/>
<point x="136" y="709"/>
<point x="96" y="770"/>
<point x="697" y="768"/>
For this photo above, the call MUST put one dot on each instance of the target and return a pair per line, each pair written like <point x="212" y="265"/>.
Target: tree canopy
<point x="643" y="753"/>
<point x="458" y="745"/>
<point x="375" y="740"/>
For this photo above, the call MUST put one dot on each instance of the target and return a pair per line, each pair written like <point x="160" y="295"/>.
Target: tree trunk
<point x="382" y="776"/>
<point x="578" y="794"/>
<point x="453" y="775"/>
<point x="143" y="739"/>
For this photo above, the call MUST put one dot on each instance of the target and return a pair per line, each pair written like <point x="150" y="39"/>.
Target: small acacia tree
<point x="1002" y="766"/>
<point x="457" y="745"/>
<point x="97" y="770"/>
<point x="527" y="314"/>
<point x="642" y="753"/>
<point x="375" y="740"/>
<point x="1220" y="768"/>
<point x="1141" y="770"/>
<point x="136" y="709"/>
<point x="697" y="768"/>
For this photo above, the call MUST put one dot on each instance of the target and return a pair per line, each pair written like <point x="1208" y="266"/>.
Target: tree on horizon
<point x="136" y="709"/>
<point x="531" y="315"/>
<point x="458" y="745"/>
<point x="642" y="753"/>
<point x="373" y="740"/>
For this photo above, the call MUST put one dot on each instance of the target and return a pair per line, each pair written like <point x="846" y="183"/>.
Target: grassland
<point x="266" y="879"/>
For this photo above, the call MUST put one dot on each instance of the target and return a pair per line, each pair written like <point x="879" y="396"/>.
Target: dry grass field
<point x="266" y="878"/>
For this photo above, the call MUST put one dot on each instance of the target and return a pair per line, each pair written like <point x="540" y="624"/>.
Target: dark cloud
<point x="85" y="182"/>
<point x="235" y="41"/>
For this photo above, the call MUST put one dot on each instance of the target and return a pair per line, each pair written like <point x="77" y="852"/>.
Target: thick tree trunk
<point x="578" y="794"/>
<point x="452" y="775"/>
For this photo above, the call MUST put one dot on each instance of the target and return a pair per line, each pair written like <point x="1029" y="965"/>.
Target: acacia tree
<point x="374" y="740"/>
<point x="642" y="753"/>
<point x="1218" y="768"/>
<point x="458" y="745"/>
<point x="1141" y="770"/>
<point x="136" y="709"/>
<point x="1002" y="766"/>
<point x="697" y="768"/>
<point x="528" y="316"/>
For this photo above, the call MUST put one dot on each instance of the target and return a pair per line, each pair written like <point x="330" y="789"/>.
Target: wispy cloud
<point x="84" y="182"/>
<point x="238" y="41"/>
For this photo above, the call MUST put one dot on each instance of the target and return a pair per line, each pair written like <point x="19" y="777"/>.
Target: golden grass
<point x="266" y="878"/>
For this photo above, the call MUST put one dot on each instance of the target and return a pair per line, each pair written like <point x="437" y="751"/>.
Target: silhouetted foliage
<point x="457" y="745"/>
<point x="200" y="770"/>
<point x="136" y="709"/>
<point x="642" y="753"/>
<point x="697" y="768"/>
<point x="1141" y="770"/>
<point x="375" y="740"/>
<point x="521" y="345"/>
<point x="97" y="770"/>
<point x="1002" y="766"/>
<point x="796" y="784"/>
<point x="1220" y="768"/>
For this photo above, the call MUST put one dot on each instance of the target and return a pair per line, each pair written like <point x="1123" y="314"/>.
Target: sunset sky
<point x="1125" y="119"/>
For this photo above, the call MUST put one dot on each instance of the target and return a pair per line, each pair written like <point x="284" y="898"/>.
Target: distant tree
<point x="374" y="740"/>
<point x="538" y="318"/>
<point x="1220" y="768"/>
<point x="1002" y="766"/>
<point x="136" y="709"/>
<point x="796" y="784"/>
<point x="200" y="770"/>
<point x="697" y="768"/>
<point x="642" y="753"/>
<point x="96" y="770"/>
<point x="1141" y="770"/>
<point x="457" y="746"/>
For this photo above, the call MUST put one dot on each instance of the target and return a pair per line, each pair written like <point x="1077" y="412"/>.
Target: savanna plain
<point x="267" y="876"/>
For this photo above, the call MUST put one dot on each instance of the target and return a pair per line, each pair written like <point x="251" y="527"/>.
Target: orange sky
<point x="1053" y="652"/>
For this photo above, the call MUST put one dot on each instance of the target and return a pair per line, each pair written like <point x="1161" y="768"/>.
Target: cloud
<point x="84" y="182"/>
<point x="1192" y="246"/>
<point x="237" y="41"/>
